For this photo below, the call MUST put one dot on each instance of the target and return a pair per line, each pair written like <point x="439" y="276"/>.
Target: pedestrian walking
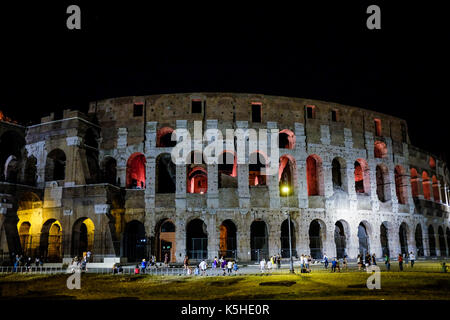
<point x="278" y="261"/>
<point x="325" y="261"/>
<point x="374" y="259"/>
<point x="262" y="265"/>
<point x="345" y="263"/>
<point x="269" y="265"/>
<point x="412" y="259"/>
<point x="235" y="268"/>
<point x="308" y="264"/>
<point x="400" y="262"/>
<point x="333" y="265"/>
<point x="387" y="262"/>
<point x="230" y="267"/>
<point x="223" y="265"/>
<point x="203" y="266"/>
<point x="360" y="262"/>
<point x="166" y="259"/>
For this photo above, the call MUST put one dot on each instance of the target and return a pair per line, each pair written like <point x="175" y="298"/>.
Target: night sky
<point x="320" y="52"/>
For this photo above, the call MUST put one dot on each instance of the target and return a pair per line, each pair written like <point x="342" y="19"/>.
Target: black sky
<point x="319" y="51"/>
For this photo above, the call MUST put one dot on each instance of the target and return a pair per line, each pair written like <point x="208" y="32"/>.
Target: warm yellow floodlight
<point x="285" y="189"/>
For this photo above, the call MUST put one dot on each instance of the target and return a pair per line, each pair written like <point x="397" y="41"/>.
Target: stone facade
<point x="73" y="177"/>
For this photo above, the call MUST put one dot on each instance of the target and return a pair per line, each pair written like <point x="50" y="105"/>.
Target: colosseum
<point x="104" y="181"/>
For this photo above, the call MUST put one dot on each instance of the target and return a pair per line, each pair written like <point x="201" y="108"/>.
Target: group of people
<point x="366" y="260"/>
<point x="336" y="263"/>
<point x="24" y="261"/>
<point x="144" y="265"/>
<point x="271" y="263"/>
<point x="227" y="266"/>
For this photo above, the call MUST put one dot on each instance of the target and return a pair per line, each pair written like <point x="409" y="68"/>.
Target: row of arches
<point x="428" y="186"/>
<point x="136" y="245"/>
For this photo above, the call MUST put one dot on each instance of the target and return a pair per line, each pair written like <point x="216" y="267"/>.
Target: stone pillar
<point x="436" y="241"/>
<point x="426" y="242"/>
<point x="302" y="236"/>
<point x="122" y="135"/>
<point x="180" y="172"/>
<point x="243" y="189"/>
<point x="272" y="180"/>
<point x="150" y="166"/>
<point x="300" y="159"/>
<point x="394" y="199"/>
<point x="213" y="236"/>
<point x="369" y="145"/>
<point x="420" y="186"/>
<point x="327" y="179"/>
<point x="274" y="239"/>
<point x="72" y="174"/>
<point x="212" y="195"/>
<point x="412" y="242"/>
<point x="180" y="236"/>
<point x="393" y="240"/>
<point x="350" y="173"/>
<point x="325" y="137"/>
<point x="353" y="243"/>
<point x="329" y="246"/>
<point x="243" y="243"/>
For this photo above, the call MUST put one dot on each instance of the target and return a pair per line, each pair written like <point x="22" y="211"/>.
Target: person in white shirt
<point x="269" y="266"/>
<point x="412" y="258"/>
<point x="262" y="265"/>
<point x="230" y="267"/>
<point x="203" y="267"/>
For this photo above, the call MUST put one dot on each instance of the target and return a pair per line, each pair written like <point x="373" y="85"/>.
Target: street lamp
<point x="286" y="190"/>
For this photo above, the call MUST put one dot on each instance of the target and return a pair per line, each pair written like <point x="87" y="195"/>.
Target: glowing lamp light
<point x="285" y="189"/>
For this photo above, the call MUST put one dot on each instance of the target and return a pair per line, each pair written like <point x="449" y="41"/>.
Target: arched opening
<point x="228" y="241"/>
<point x="286" y="139"/>
<point x="164" y="138"/>
<point x="432" y="241"/>
<point x="316" y="238"/>
<point x="414" y="183"/>
<point x="109" y="170"/>
<point x="426" y="186"/>
<point x="338" y="169"/>
<point x="442" y="246"/>
<point x="165" y="240"/>
<point x="363" y="237"/>
<point x="419" y="241"/>
<point x="197" y="240"/>
<point x="30" y="174"/>
<point x="286" y="174"/>
<point x="82" y="237"/>
<point x="380" y="149"/>
<point x="197" y="174"/>
<point x="255" y="169"/>
<point x="51" y="241"/>
<point x="340" y="240"/>
<point x="55" y="165"/>
<point x="400" y="184"/>
<point x="165" y="174"/>
<point x="227" y="170"/>
<point x="11" y="144"/>
<point x="12" y="168"/>
<point x="25" y="238"/>
<point x="436" y="194"/>
<point x="384" y="239"/>
<point x="259" y="240"/>
<point x="314" y="175"/>
<point x="91" y="150"/>
<point x="383" y="183"/>
<point x="285" y="253"/>
<point x="362" y="177"/>
<point x="134" y="241"/>
<point x="403" y="235"/>
<point x="136" y="171"/>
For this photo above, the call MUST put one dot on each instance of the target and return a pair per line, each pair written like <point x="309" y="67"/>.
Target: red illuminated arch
<point x="435" y="186"/>
<point x="426" y="186"/>
<point x="414" y="183"/>
<point x="314" y="175"/>
<point x="136" y="171"/>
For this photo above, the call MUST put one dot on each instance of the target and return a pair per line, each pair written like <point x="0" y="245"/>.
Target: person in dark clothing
<point x="400" y="262"/>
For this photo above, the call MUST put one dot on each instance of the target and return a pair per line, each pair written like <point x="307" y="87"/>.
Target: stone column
<point x="243" y="189"/>
<point x="436" y="241"/>
<point x="330" y="244"/>
<point x="300" y="159"/>
<point x="180" y="172"/>
<point x="274" y="239"/>
<point x="302" y="236"/>
<point x="122" y="135"/>
<point x="272" y="180"/>
<point x="180" y="236"/>
<point x="150" y="166"/>
<point x="213" y="237"/>
<point x="327" y="179"/>
<point x="72" y="175"/>
<point x="369" y="145"/>
<point x="394" y="240"/>
<point x="38" y="151"/>
<point x="394" y="199"/>
<point x="243" y="243"/>
<point x="212" y="195"/>
<point x="350" y="173"/>
<point x="426" y="242"/>
<point x="353" y="242"/>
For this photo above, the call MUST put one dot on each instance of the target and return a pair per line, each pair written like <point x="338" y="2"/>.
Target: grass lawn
<point x="424" y="282"/>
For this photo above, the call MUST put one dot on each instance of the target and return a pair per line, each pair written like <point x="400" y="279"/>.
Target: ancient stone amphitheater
<point x="105" y="182"/>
